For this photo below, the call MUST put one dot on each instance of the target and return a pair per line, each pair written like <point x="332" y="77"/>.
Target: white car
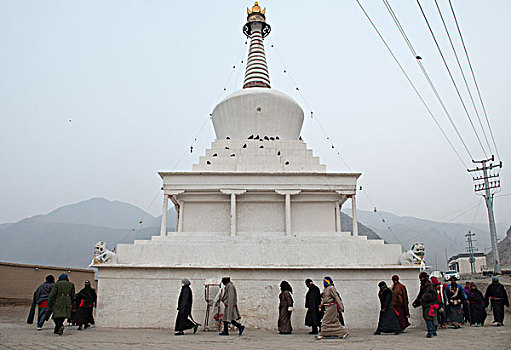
<point x="451" y="273"/>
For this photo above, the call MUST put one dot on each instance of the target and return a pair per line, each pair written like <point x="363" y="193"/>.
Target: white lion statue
<point x="102" y="255"/>
<point x="414" y="256"/>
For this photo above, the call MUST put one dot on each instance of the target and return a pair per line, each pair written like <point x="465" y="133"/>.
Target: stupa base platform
<point x="146" y="296"/>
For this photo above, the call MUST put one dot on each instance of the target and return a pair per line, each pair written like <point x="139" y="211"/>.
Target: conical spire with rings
<point x="256" y="28"/>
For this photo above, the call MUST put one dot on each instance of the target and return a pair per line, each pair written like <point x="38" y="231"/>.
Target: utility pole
<point x="486" y="185"/>
<point x="470" y="248"/>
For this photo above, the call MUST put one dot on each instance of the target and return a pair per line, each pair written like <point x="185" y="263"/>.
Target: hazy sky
<point x="97" y="96"/>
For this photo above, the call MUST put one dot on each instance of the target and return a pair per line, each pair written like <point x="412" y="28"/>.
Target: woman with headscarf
<point x="285" y="308"/>
<point x="476" y="305"/>
<point x="331" y="302"/>
<point x="455" y="298"/>
<point x="184" y="307"/>
<point x="387" y="322"/>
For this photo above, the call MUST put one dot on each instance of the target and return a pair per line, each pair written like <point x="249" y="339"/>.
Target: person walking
<point x="466" y="307"/>
<point x="455" y="298"/>
<point x="40" y="299"/>
<point x="476" y="304"/>
<point x="496" y="296"/>
<point x="387" y="321"/>
<point x="427" y="298"/>
<point x="332" y="324"/>
<point x="313" y="304"/>
<point x="85" y="301"/>
<point x="231" y="312"/>
<point x="184" y="307"/>
<point x="61" y="297"/>
<point x="441" y="314"/>
<point x="400" y="302"/>
<point x="285" y="308"/>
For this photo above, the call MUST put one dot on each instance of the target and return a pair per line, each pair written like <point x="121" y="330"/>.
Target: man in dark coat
<point x="400" y="302"/>
<point x="312" y="304"/>
<point x="496" y="295"/>
<point x="428" y="299"/>
<point x="41" y="300"/>
<point x="387" y="322"/>
<point x="62" y="296"/>
<point x="184" y="307"/>
<point x="85" y="301"/>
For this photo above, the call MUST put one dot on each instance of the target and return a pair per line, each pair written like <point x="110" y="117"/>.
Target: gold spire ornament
<point x="256" y="14"/>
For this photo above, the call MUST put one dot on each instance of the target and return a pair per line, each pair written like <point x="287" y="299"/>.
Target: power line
<point x="463" y="75"/>
<point x="418" y="59"/>
<point x="415" y="89"/>
<point x="452" y="78"/>
<point x="474" y="78"/>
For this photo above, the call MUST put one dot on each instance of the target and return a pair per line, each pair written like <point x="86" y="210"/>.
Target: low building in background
<point x="461" y="263"/>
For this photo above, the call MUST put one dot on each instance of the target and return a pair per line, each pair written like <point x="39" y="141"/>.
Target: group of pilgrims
<point x="443" y="305"/>
<point x="59" y="301"/>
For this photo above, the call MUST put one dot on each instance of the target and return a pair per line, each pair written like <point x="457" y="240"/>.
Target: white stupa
<point x="258" y="207"/>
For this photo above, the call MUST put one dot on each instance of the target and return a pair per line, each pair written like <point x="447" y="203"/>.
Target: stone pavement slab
<point x="15" y="334"/>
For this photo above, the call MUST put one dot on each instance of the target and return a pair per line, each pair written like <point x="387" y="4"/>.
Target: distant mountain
<point x="440" y="238"/>
<point x="504" y="247"/>
<point x="97" y="212"/>
<point x="66" y="236"/>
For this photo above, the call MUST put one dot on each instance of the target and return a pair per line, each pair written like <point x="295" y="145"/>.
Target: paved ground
<point x="16" y="334"/>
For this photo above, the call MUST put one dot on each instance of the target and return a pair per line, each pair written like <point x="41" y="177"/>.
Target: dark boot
<point x="226" y="329"/>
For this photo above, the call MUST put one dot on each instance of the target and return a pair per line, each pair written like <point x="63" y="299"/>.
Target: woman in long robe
<point x="388" y="321"/>
<point x="184" y="307"/>
<point x="285" y="308"/>
<point x="455" y="299"/>
<point x="332" y="304"/>
<point x="400" y="302"/>
<point x="476" y="304"/>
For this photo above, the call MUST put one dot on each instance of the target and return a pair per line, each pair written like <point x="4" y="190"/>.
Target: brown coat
<point x="400" y="297"/>
<point x="230" y="300"/>
<point x="286" y="301"/>
<point x="330" y="325"/>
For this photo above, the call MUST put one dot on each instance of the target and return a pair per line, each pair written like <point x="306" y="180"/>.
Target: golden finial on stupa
<point x="256" y="9"/>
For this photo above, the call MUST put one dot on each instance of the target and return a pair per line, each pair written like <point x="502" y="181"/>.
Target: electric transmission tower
<point x="470" y="249"/>
<point x="487" y="184"/>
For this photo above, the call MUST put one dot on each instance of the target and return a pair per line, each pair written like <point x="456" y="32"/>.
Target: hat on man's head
<point x="435" y="280"/>
<point x="63" y="276"/>
<point x="495" y="278"/>
<point x="87" y="283"/>
<point x="423" y="274"/>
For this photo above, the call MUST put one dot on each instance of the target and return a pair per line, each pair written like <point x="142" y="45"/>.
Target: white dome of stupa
<point x="258" y="111"/>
